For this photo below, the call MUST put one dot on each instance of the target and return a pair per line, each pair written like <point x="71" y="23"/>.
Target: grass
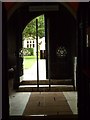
<point x="28" y="61"/>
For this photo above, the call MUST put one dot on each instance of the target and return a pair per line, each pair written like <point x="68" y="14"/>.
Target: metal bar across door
<point x="37" y="53"/>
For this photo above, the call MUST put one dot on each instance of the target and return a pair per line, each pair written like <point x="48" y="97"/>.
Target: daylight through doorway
<point x="30" y="51"/>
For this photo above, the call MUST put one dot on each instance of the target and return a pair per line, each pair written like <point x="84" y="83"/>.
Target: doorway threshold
<point x="46" y="82"/>
<point x="52" y="117"/>
<point x="45" y="88"/>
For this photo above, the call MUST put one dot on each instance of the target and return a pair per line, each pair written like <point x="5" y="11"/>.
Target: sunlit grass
<point x="28" y="61"/>
<point x="29" y="57"/>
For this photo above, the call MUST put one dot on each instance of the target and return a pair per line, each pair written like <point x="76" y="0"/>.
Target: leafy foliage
<point x="30" y="29"/>
<point x="28" y="51"/>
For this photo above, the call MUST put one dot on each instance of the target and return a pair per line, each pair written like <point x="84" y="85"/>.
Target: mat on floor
<point x="47" y="103"/>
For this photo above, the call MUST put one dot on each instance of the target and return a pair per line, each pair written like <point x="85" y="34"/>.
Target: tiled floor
<point x="19" y="100"/>
<point x="72" y="100"/>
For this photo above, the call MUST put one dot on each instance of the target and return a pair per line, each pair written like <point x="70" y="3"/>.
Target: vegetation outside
<point x="28" y="61"/>
<point x="30" y="32"/>
<point x="30" y="29"/>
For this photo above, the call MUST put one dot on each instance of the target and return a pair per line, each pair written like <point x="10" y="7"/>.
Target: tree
<point x="30" y="29"/>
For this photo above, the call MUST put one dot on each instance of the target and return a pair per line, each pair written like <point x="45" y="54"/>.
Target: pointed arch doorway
<point x="60" y="47"/>
<point x="35" y="62"/>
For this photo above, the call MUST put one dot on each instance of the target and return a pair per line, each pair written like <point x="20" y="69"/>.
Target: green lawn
<point x="28" y="61"/>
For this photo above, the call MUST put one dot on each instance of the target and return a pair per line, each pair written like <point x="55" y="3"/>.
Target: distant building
<point x="28" y="43"/>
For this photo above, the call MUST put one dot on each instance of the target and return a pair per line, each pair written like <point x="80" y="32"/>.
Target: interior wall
<point x="11" y="46"/>
<point x="11" y="42"/>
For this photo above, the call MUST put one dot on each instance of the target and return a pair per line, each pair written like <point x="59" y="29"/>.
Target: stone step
<point x="52" y="117"/>
<point x="45" y="88"/>
<point x="46" y="82"/>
